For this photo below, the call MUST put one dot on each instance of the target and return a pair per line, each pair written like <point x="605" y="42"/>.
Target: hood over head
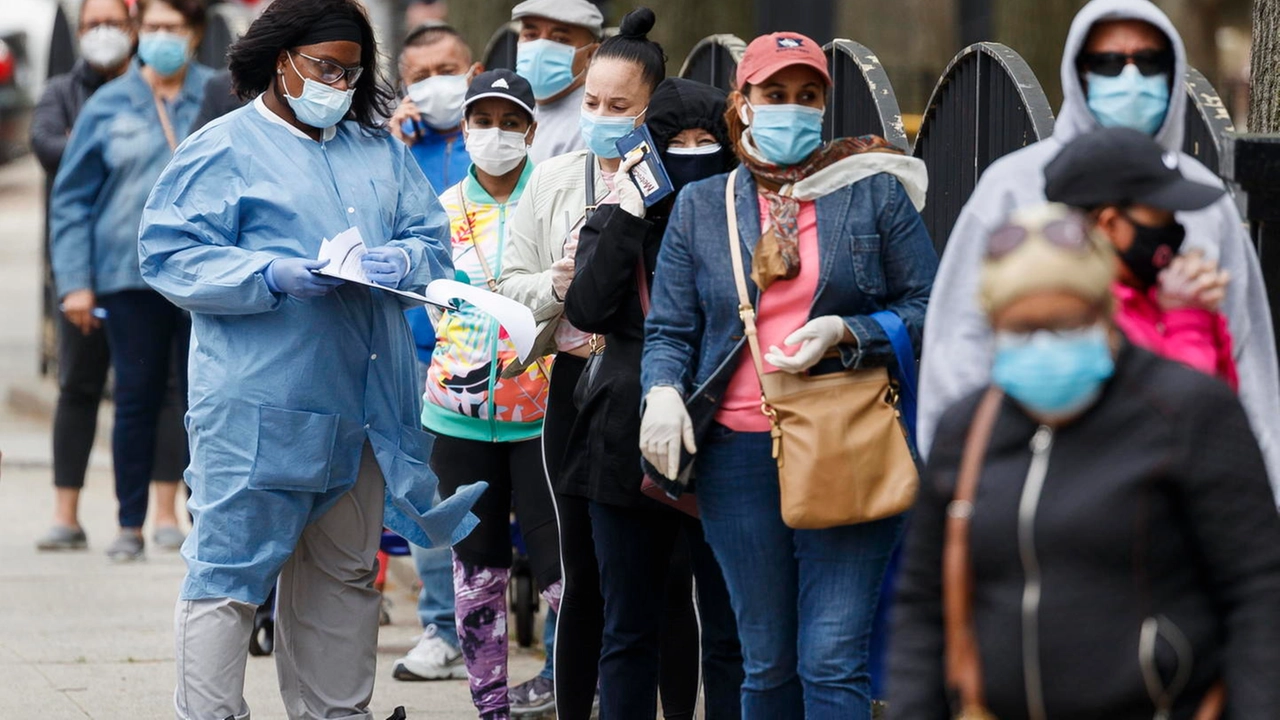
<point x="1075" y="119"/>
<point x="678" y="104"/>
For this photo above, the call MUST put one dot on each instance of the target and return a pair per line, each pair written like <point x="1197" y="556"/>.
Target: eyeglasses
<point x="1111" y="64"/>
<point x="1066" y="234"/>
<point x="330" y="72"/>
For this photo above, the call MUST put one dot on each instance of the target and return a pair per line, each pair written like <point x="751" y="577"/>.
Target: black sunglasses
<point x="1069" y="234"/>
<point x="1111" y="64"/>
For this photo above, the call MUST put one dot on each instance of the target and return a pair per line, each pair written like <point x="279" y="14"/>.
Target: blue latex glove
<point x="385" y="265"/>
<point x="294" y="277"/>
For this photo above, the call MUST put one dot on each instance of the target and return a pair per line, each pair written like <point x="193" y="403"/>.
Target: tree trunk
<point x="1264" y="91"/>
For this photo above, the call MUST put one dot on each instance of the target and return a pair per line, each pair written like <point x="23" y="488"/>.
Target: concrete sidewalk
<point x="83" y="638"/>
<point x="80" y="637"/>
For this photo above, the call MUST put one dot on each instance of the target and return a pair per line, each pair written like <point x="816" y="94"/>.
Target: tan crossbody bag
<point x="838" y="439"/>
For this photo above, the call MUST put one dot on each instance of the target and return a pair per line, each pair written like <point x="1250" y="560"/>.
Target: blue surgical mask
<point x="164" y="52"/>
<point x="319" y="105"/>
<point x="785" y="134"/>
<point x="547" y="65"/>
<point x="1130" y="99"/>
<point x="1053" y="374"/>
<point x="602" y="133"/>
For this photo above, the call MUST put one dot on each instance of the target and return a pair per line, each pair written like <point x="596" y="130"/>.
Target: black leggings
<point x="580" y="624"/>
<point x="83" y="362"/>
<point x="514" y="473"/>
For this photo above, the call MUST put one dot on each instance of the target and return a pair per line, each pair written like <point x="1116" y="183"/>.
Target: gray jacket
<point x="957" y="339"/>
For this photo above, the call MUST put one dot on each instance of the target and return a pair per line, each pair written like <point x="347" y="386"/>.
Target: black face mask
<point x="1152" y="250"/>
<point x="684" y="169"/>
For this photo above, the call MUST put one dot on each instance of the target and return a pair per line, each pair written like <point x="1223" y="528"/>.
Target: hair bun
<point x="637" y="24"/>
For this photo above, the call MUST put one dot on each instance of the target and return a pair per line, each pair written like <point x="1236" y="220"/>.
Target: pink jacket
<point x="1198" y="338"/>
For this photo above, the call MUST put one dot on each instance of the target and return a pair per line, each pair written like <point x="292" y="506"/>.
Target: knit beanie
<point x="1044" y="248"/>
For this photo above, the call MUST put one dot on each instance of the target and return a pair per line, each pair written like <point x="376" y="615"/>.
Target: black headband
<point x="333" y="28"/>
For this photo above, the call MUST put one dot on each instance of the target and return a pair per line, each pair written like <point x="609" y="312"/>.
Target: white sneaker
<point x="431" y="659"/>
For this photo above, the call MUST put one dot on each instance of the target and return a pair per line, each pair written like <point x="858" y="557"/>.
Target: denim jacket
<point x="875" y="254"/>
<point x="116" y="151"/>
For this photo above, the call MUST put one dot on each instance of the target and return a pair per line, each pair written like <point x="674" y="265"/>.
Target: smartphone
<point x="649" y="175"/>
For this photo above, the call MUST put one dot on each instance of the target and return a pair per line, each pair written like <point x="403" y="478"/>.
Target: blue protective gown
<point x="284" y="393"/>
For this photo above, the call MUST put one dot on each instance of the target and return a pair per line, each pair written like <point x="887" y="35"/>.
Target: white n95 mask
<point x="439" y="99"/>
<point x="497" y="152"/>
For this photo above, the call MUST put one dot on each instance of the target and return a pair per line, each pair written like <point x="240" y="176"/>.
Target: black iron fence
<point x="500" y="53"/>
<point x="714" y="61"/>
<point x="1208" y="122"/>
<point x="862" y="101"/>
<point x="987" y="105"/>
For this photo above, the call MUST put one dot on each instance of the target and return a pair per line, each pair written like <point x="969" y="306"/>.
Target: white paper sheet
<point x="346" y="249"/>
<point x="515" y="318"/>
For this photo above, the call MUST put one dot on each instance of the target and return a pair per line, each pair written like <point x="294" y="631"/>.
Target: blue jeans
<point x="144" y="331"/>
<point x="804" y="600"/>
<point x="435" y="602"/>
<point x="634" y="547"/>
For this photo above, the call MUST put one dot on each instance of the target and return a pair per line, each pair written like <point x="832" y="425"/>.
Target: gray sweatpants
<point x="326" y="622"/>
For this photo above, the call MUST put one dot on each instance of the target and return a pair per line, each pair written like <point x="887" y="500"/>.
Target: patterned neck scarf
<point x="777" y="255"/>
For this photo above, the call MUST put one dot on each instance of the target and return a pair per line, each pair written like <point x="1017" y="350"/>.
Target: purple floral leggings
<point x="481" y="606"/>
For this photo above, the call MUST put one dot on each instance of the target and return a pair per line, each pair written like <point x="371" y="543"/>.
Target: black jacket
<point x="219" y="99"/>
<point x="1155" y="505"/>
<point x="60" y="104"/>
<point x="603" y="462"/>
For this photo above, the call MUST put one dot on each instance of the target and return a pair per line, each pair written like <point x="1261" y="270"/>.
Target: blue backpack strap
<point x="906" y="357"/>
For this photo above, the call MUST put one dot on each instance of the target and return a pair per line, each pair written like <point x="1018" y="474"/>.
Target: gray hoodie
<point x="957" y="338"/>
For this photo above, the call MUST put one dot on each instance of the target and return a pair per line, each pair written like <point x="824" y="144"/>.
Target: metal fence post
<point x="1252" y="162"/>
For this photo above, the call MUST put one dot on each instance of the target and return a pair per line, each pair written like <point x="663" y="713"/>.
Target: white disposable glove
<point x="816" y="337"/>
<point x="563" y="269"/>
<point x="629" y="198"/>
<point x="663" y="428"/>
<point x="1191" y="281"/>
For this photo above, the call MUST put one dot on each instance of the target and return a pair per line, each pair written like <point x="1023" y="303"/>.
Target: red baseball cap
<point x="768" y="54"/>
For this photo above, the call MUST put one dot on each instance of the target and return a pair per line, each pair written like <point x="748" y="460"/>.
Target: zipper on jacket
<point x="495" y="333"/>
<point x="1041" y="446"/>
<point x="1162" y="696"/>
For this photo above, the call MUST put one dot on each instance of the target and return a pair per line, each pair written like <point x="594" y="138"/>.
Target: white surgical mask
<point x="439" y="99"/>
<point x="105" y="47"/>
<point x="497" y="152"/>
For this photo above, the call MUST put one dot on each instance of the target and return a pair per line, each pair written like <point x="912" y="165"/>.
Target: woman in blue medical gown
<point x="303" y="392"/>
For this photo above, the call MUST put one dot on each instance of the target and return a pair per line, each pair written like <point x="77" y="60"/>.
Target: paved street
<point x="79" y="637"/>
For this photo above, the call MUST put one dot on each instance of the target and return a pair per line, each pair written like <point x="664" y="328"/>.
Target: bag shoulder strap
<point x="489" y="278"/>
<point x="165" y="125"/>
<point x="745" y="310"/>
<point x="963" y="665"/>
<point x="904" y="353"/>
<point x="642" y="284"/>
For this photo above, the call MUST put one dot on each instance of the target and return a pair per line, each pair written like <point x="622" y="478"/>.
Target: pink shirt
<point x="1193" y="337"/>
<point x="779" y="312"/>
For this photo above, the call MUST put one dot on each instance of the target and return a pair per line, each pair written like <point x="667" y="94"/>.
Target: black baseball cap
<point x="1122" y="166"/>
<point x="500" y="84"/>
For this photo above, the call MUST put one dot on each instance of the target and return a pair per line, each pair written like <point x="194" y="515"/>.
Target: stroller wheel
<point x="526" y="608"/>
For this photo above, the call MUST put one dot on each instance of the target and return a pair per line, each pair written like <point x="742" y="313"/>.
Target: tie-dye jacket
<point x="466" y="395"/>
